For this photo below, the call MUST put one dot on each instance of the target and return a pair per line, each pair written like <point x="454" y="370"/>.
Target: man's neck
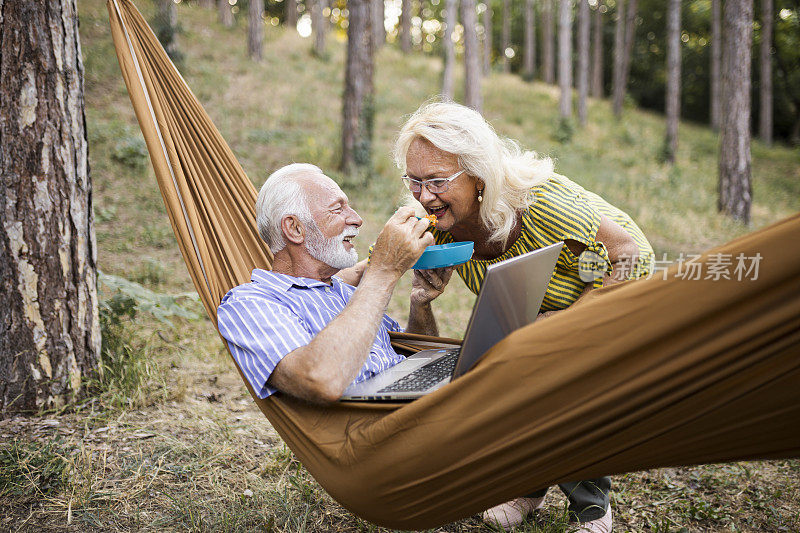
<point x="300" y="264"/>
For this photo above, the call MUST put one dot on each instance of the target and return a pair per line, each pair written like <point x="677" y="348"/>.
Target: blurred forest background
<point x="166" y="436"/>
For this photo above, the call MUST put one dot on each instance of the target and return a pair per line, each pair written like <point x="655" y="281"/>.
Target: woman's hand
<point x="427" y="285"/>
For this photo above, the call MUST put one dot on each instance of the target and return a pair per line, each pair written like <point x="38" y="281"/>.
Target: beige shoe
<point x="601" y="525"/>
<point x="513" y="513"/>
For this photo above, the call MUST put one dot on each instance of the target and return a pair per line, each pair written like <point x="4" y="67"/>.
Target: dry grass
<point x="187" y="449"/>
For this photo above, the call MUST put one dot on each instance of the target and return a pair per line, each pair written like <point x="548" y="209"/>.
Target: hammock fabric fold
<point x="644" y="374"/>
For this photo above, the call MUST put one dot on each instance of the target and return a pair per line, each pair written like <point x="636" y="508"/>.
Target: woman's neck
<point x="478" y="233"/>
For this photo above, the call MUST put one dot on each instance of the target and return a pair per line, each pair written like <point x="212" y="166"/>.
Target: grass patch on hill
<point x="185" y="448"/>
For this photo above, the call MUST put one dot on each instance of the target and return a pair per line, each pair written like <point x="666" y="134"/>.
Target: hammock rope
<point x="640" y="375"/>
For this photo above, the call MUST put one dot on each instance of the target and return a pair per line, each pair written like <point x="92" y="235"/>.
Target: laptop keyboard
<point x="425" y="376"/>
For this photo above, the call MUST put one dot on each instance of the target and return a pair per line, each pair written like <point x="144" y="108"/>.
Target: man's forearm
<point x="338" y="352"/>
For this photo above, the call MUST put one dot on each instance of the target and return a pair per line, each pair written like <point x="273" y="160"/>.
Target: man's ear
<point x="293" y="230"/>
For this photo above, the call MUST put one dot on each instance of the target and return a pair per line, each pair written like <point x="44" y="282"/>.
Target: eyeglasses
<point x="434" y="186"/>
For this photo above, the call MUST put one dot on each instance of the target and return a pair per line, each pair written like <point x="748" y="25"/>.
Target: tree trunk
<point x="255" y="31"/>
<point x="472" y="63"/>
<point x="451" y="16"/>
<point x="597" y="52"/>
<point x="291" y="14"/>
<point x="583" y="59"/>
<point x="565" y="57"/>
<point x="529" y="59"/>
<point x="48" y="274"/>
<point x="487" y="39"/>
<point x="617" y="88"/>
<point x="765" y="88"/>
<point x="505" y="36"/>
<point x="378" y="23"/>
<point x="673" y="98"/>
<point x="207" y="4"/>
<point x="735" y="193"/>
<point x="630" y="38"/>
<point x="320" y="26"/>
<point x="225" y="13"/>
<point x="167" y="27"/>
<point x="405" y="27"/>
<point x="548" y="53"/>
<point x="716" y="62"/>
<point x="358" y="110"/>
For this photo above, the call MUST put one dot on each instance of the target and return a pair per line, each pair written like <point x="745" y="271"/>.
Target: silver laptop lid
<point x="510" y="297"/>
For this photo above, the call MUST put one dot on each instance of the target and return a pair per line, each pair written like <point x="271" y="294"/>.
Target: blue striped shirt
<point x="275" y="314"/>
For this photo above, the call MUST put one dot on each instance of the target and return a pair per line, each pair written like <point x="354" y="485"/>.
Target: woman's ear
<point x="293" y="230"/>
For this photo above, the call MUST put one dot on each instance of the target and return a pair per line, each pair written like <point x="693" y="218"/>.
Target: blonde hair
<point x="507" y="171"/>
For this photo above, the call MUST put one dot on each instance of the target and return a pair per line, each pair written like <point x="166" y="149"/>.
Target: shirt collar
<point x="284" y="281"/>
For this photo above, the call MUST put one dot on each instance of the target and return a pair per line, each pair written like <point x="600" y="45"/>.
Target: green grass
<point x="173" y="442"/>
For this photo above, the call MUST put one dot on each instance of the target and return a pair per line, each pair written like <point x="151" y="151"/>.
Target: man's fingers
<point x="402" y="215"/>
<point x="421" y="225"/>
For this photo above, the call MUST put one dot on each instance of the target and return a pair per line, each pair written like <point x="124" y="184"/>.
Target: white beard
<point x="331" y="251"/>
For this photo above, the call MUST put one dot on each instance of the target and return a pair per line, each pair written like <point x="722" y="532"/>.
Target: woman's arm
<point x="622" y="251"/>
<point x="352" y="275"/>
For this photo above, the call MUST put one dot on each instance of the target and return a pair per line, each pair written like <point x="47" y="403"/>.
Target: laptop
<point x="510" y="298"/>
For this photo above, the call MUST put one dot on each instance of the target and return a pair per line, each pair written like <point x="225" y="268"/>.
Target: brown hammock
<point x="644" y="374"/>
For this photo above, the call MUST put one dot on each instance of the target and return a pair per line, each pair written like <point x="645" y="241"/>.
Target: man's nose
<point x="353" y="219"/>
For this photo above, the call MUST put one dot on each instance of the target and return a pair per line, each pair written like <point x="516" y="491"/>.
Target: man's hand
<point x="400" y="243"/>
<point x="427" y="285"/>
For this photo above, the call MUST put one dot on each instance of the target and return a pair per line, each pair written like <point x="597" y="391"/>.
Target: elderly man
<point x="300" y="328"/>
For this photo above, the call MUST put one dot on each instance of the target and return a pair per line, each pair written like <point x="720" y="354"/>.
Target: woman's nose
<point x="425" y="195"/>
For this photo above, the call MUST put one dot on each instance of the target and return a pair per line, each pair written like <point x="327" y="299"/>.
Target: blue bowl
<point x="445" y="255"/>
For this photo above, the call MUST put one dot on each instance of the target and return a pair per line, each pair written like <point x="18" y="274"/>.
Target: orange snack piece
<point x="432" y="219"/>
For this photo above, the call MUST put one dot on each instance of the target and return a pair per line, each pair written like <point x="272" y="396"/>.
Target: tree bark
<point x="207" y="4"/>
<point x="51" y="336"/>
<point x="716" y="62"/>
<point x="320" y="26"/>
<point x="548" y="52"/>
<point x="291" y="14"/>
<point x="472" y="63"/>
<point x="358" y="110"/>
<point x="255" y="31"/>
<point x="597" y="52"/>
<point x="630" y="38"/>
<point x="765" y="62"/>
<point x="565" y="57"/>
<point x="505" y="36"/>
<point x="167" y="27"/>
<point x="735" y="193"/>
<point x="451" y="15"/>
<point x="487" y="39"/>
<point x="378" y="23"/>
<point x="225" y="13"/>
<point x="617" y="88"/>
<point x="529" y="59"/>
<point x="582" y="82"/>
<point x="405" y="27"/>
<point x="673" y="97"/>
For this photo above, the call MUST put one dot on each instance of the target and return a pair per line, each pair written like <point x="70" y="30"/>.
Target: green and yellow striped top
<point x="561" y="210"/>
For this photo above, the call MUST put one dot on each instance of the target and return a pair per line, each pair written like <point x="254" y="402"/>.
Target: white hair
<point x="507" y="171"/>
<point x="281" y="196"/>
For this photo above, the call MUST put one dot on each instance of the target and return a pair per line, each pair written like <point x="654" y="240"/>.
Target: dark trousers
<point x="588" y="500"/>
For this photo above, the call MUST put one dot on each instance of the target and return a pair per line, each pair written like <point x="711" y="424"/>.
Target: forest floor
<point x="172" y="440"/>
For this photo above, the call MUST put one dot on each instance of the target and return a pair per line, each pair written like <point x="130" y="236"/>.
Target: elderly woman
<point x="508" y="202"/>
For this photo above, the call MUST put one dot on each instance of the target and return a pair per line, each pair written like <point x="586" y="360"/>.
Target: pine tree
<point x="735" y="192"/>
<point x="358" y="110"/>
<point x="50" y="345"/>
